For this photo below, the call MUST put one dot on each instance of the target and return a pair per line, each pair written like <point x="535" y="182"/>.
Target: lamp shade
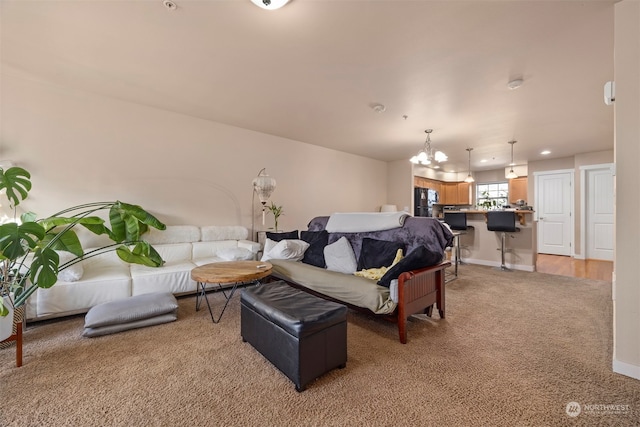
<point x="264" y="185"/>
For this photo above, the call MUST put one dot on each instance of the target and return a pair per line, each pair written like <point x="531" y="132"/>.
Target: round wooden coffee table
<point x="224" y="273"/>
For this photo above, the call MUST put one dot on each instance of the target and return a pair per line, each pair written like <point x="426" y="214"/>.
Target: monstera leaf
<point x="16" y="240"/>
<point x="17" y="182"/>
<point x="44" y="238"/>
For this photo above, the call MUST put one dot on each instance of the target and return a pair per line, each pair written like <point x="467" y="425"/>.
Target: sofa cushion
<point x="378" y="253"/>
<point x="173" y="276"/>
<point x="291" y="249"/>
<point x="130" y="309"/>
<point x="276" y="237"/>
<point x="112" y="329"/>
<point x="173" y="234"/>
<point x="346" y="288"/>
<point x="235" y="254"/>
<point x="210" y="249"/>
<point x="224" y="232"/>
<point x="339" y="256"/>
<point x="418" y="258"/>
<point x="100" y="283"/>
<point x="317" y="240"/>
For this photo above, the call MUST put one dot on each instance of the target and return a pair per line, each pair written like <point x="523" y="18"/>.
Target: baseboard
<point x="529" y="268"/>
<point x="627" y="369"/>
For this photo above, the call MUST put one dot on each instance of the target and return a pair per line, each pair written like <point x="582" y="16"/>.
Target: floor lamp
<point x="263" y="186"/>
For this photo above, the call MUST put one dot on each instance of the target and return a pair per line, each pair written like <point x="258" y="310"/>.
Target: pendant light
<point x="511" y="173"/>
<point x="469" y="178"/>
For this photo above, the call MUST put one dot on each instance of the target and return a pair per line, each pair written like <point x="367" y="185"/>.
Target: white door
<point x="553" y="206"/>
<point x="599" y="214"/>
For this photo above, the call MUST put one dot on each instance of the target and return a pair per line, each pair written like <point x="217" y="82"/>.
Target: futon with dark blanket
<point x="412" y="286"/>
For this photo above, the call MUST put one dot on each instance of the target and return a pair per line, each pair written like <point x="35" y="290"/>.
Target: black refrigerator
<point x="424" y="199"/>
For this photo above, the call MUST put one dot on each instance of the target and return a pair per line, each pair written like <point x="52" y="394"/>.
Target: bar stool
<point x="503" y="222"/>
<point x="457" y="222"/>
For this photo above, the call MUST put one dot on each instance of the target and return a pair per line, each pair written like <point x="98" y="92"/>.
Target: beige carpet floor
<point x="514" y="350"/>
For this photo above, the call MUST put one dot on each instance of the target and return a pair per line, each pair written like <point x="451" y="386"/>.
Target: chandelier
<point x="426" y="156"/>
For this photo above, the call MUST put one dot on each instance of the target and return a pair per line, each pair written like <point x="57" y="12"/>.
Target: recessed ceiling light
<point x="545" y="152"/>
<point x="169" y="4"/>
<point x="436" y="167"/>
<point x="483" y="161"/>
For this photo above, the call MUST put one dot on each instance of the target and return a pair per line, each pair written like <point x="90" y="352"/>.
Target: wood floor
<point x="568" y="266"/>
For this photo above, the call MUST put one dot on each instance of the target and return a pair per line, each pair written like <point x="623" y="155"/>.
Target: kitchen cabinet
<point x="464" y="193"/>
<point x="421" y="182"/>
<point x="518" y="189"/>
<point x="451" y="193"/>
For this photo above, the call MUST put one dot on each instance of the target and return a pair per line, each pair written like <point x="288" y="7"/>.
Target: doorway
<point x="554" y="211"/>
<point x="597" y="203"/>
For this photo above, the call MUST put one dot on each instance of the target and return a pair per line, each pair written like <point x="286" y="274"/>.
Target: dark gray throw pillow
<point x="377" y="253"/>
<point x="317" y="240"/>
<point x="420" y="257"/>
<point x="276" y="237"/>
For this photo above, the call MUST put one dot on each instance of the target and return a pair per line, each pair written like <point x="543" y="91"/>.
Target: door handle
<point x="541" y="218"/>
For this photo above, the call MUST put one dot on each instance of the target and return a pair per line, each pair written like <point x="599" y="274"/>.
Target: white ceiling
<point x="311" y="70"/>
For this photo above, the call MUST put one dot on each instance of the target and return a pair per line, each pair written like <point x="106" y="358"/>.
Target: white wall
<point x="400" y="184"/>
<point x="81" y="147"/>
<point x="626" y="317"/>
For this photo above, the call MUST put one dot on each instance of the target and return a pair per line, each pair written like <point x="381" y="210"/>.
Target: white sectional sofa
<point x="106" y="278"/>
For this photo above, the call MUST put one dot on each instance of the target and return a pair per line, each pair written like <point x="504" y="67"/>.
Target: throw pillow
<point x="420" y="257"/>
<point x="317" y="241"/>
<point x="339" y="256"/>
<point x="235" y="254"/>
<point x="377" y="253"/>
<point x="276" y="237"/>
<point x="290" y="249"/>
<point x="268" y="245"/>
<point x="74" y="272"/>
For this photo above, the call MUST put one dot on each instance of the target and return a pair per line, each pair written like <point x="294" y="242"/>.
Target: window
<point x="492" y="195"/>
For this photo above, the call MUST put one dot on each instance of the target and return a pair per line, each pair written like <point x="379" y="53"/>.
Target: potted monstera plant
<point x="30" y="246"/>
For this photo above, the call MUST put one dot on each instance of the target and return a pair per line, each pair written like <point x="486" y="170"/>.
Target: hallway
<point x="569" y="266"/>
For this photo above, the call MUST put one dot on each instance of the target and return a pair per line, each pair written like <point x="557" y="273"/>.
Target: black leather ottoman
<point x="302" y="335"/>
